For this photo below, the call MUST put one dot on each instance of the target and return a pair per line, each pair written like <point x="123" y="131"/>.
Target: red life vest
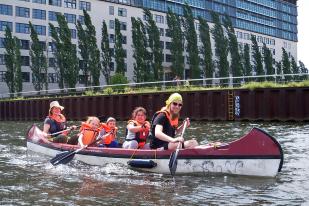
<point x="111" y="137"/>
<point x="142" y="135"/>
<point x="89" y="134"/>
<point x="60" y="122"/>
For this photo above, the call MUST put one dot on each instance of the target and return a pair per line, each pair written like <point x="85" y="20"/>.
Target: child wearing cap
<point x="108" y="134"/>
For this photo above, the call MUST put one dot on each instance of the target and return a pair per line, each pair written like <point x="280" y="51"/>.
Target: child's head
<point x="94" y="122"/>
<point x="111" y="122"/>
<point x="139" y="114"/>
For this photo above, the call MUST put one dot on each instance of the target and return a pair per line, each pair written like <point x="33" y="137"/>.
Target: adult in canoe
<point x="164" y="126"/>
<point x="55" y="124"/>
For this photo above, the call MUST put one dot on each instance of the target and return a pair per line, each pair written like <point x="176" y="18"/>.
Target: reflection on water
<point x="27" y="178"/>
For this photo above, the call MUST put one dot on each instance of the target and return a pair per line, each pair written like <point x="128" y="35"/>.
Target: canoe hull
<point x="204" y="160"/>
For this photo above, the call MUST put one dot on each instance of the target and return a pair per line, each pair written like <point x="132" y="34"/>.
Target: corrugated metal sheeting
<point x="260" y="104"/>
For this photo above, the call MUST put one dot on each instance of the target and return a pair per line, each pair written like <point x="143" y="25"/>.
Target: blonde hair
<point x="138" y="109"/>
<point x="91" y="119"/>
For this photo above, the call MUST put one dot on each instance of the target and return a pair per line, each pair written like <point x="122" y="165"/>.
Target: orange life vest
<point x="89" y="134"/>
<point x="142" y="135"/>
<point x="111" y="137"/>
<point x="174" y="122"/>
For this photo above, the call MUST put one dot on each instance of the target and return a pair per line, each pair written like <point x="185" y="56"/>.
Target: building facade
<point x="274" y="22"/>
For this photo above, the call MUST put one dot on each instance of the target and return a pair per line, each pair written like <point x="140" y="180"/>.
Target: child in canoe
<point x="89" y="131"/>
<point x="108" y="134"/>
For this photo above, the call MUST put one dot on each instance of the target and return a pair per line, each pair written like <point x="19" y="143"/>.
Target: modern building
<point x="274" y="22"/>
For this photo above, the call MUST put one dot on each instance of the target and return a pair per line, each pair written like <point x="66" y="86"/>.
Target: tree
<point x="257" y="58"/>
<point x="295" y="69"/>
<point x="206" y="48"/>
<point x="38" y="61"/>
<point x="156" y="54"/>
<point x="247" y="61"/>
<point x="221" y="46"/>
<point x="303" y="70"/>
<point x="268" y="62"/>
<point x="176" y="48"/>
<point x="12" y="60"/>
<point x="83" y="51"/>
<point x="279" y="70"/>
<point x="236" y="67"/>
<point x="65" y="54"/>
<point x="106" y="54"/>
<point x="119" y="51"/>
<point x="286" y="64"/>
<point x="191" y="37"/>
<point x="140" y="51"/>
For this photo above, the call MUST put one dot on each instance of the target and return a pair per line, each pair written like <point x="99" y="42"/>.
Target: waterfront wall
<point x="275" y="104"/>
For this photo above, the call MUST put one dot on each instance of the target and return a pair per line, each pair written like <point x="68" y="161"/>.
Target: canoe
<point x="255" y="154"/>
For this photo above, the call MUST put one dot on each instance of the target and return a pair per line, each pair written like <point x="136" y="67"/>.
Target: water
<point x="29" y="179"/>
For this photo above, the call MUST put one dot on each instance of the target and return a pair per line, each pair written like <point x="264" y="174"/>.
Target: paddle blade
<point x="173" y="163"/>
<point x="63" y="158"/>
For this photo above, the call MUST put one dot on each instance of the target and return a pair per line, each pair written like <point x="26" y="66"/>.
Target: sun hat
<point x="174" y="97"/>
<point x="55" y="104"/>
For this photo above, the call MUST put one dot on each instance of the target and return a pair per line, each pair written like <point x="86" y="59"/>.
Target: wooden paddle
<point x="173" y="158"/>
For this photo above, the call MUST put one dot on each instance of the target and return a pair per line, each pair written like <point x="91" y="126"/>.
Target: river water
<point x="27" y="178"/>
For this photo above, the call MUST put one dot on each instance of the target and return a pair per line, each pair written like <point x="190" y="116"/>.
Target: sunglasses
<point x="177" y="104"/>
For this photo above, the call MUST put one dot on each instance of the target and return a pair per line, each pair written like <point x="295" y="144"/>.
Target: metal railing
<point x="164" y="85"/>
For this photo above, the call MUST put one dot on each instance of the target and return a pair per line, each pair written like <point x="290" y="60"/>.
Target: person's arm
<point x="133" y="128"/>
<point x="180" y="128"/>
<point x="80" y="140"/>
<point x="160" y="135"/>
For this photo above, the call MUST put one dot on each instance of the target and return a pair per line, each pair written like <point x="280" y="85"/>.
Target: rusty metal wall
<point x="282" y="104"/>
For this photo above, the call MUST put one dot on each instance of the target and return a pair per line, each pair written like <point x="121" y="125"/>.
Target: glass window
<point x="159" y="19"/>
<point x="124" y="41"/>
<point x="2" y="40"/>
<point x="111" y="24"/>
<point x="52" y="15"/>
<point x="112" y="66"/>
<point x="52" y="78"/>
<point x="4" y="24"/>
<point x="38" y="14"/>
<point x="122" y="12"/>
<point x="6" y="9"/>
<point x="54" y="2"/>
<point x="81" y="19"/>
<point x="111" y="10"/>
<point x="25" y="76"/>
<point x="2" y="62"/>
<point x="40" y="29"/>
<point x="84" y="5"/>
<point x="51" y="62"/>
<point x="43" y="45"/>
<point x="112" y="38"/>
<point x="22" y="12"/>
<point x="39" y="1"/>
<point x="24" y="44"/>
<point x="71" y="18"/>
<point x="25" y="60"/>
<point x="22" y="28"/>
<point x="70" y="4"/>
<point x="73" y="33"/>
<point x="51" y="46"/>
<point x="2" y="73"/>
<point x="123" y="26"/>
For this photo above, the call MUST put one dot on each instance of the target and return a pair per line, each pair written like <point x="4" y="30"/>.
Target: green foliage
<point x="236" y="66"/>
<point x="294" y="68"/>
<point x="12" y="60"/>
<point x="286" y="64"/>
<point x="206" y="48"/>
<point x="119" y="79"/>
<point x="221" y="46"/>
<point x="66" y="56"/>
<point x="255" y="85"/>
<point x="191" y="37"/>
<point x="38" y="61"/>
<point x="119" y="51"/>
<point x="140" y="54"/>
<point x="303" y="70"/>
<point x="106" y="54"/>
<point x="174" y="25"/>
<point x="108" y="91"/>
<point x="156" y="53"/>
<point x="257" y="58"/>
<point x="268" y="62"/>
<point x="247" y="61"/>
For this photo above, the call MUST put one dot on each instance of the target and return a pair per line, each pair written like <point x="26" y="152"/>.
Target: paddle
<point x="67" y="156"/>
<point x="173" y="158"/>
<point x="70" y="128"/>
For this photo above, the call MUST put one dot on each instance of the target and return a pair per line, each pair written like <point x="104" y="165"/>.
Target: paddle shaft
<point x="62" y="131"/>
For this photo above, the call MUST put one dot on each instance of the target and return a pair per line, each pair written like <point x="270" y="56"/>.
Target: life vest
<point x="89" y="134"/>
<point x="111" y="137"/>
<point x="140" y="136"/>
<point x="58" y="124"/>
<point x="174" y="122"/>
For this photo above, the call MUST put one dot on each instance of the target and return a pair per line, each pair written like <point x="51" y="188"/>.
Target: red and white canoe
<point x="255" y="154"/>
